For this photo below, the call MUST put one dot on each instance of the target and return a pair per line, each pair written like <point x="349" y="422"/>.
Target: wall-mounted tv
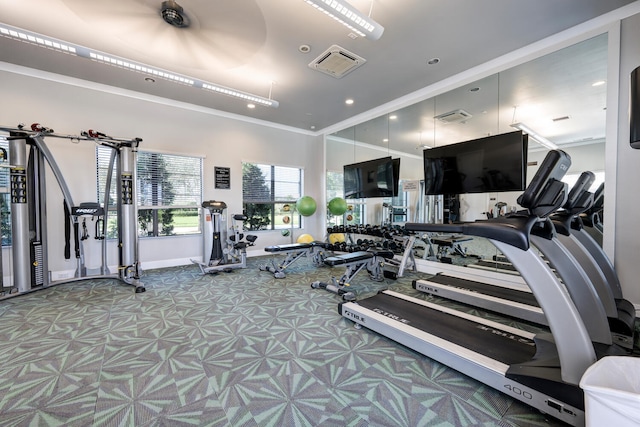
<point x="373" y="178"/>
<point x="486" y="165"/>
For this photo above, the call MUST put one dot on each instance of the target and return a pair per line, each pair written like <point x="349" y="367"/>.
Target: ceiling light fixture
<point x="36" y="39"/>
<point x="535" y="136"/>
<point x="349" y="101"/>
<point x="130" y="65"/>
<point x="598" y="83"/>
<point x="100" y="57"/>
<point x="238" y="94"/>
<point x="350" y="17"/>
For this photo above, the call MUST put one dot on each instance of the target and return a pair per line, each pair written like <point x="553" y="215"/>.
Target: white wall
<point x="222" y="141"/>
<point x="627" y="202"/>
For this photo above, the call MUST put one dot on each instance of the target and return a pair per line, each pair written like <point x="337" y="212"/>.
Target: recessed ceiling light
<point x="474" y="89"/>
<point x="304" y="48"/>
<point x="385" y="140"/>
<point x="433" y="61"/>
<point x="349" y="101"/>
<point x="251" y="106"/>
<point x="393" y="117"/>
<point x="598" y="83"/>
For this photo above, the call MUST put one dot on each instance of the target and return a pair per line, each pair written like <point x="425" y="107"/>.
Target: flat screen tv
<point x="373" y="178"/>
<point x="486" y="165"/>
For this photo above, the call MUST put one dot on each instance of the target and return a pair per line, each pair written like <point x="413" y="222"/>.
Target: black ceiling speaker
<point x="634" y="109"/>
<point x="173" y="14"/>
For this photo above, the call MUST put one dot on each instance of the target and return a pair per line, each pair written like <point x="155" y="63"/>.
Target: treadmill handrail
<point x="575" y="349"/>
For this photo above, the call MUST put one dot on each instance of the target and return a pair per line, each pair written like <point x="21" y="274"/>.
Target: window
<point x="169" y="193"/>
<point x="269" y="194"/>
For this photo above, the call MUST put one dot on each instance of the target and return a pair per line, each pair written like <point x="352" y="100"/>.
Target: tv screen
<point x="373" y="178"/>
<point x="486" y="165"/>
<point x="396" y="176"/>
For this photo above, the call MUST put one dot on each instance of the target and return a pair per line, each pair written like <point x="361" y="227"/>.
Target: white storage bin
<point x="612" y="392"/>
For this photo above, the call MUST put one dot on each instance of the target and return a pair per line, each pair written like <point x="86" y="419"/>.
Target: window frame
<point x="280" y="208"/>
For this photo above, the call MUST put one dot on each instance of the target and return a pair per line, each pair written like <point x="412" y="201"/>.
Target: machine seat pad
<point x="349" y="258"/>
<point x="289" y="247"/>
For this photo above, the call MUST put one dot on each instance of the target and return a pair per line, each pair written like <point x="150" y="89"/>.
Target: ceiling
<point x="561" y="95"/>
<point x="253" y="46"/>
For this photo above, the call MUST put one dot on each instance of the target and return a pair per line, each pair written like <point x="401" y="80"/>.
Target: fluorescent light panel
<point x="238" y="94"/>
<point x="141" y="68"/>
<point x="350" y="17"/>
<point x="535" y="136"/>
<point x="60" y="46"/>
<point x="36" y="39"/>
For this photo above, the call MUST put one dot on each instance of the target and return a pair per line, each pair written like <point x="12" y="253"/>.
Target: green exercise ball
<point x="306" y="205"/>
<point x="337" y="206"/>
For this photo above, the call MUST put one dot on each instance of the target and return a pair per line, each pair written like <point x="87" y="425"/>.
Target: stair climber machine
<point x="541" y="370"/>
<point x="29" y="156"/>
<point x="223" y="252"/>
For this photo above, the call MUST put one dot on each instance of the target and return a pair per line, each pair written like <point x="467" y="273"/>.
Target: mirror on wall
<point x="560" y="96"/>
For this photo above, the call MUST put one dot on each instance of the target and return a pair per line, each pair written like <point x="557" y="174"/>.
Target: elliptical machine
<point x="221" y="251"/>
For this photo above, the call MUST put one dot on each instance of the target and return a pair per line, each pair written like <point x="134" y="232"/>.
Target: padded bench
<point x="294" y="251"/>
<point x="372" y="260"/>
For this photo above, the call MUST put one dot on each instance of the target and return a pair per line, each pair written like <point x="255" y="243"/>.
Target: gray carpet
<point x="233" y="349"/>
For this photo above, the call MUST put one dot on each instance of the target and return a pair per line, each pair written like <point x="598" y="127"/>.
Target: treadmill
<point x="541" y="370"/>
<point x="586" y="284"/>
<point x="592" y="219"/>
<point x="621" y="313"/>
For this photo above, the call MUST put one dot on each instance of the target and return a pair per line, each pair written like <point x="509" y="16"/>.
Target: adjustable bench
<point x="294" y="251"/>
<point x="451" y="242"/>
<point x="373" y="261"/>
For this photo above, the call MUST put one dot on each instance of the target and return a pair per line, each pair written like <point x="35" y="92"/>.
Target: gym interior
<point x="171" y="258"/>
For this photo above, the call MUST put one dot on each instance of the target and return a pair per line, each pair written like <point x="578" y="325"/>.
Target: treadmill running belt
<point x="487" y="289"/>
<point x="496" y="344"/>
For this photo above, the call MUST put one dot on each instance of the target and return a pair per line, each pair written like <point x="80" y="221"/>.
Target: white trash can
<point x="612" y="392"/>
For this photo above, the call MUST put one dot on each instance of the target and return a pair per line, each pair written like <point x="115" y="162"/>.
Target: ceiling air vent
<point x="454" y="116"/>
<point x="337" y="62"/>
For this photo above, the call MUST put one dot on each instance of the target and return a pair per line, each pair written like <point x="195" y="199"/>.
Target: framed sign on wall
<point x="222" y="178"/>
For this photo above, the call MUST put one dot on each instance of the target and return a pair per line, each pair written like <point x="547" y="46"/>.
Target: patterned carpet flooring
<point x="232" y="349"/>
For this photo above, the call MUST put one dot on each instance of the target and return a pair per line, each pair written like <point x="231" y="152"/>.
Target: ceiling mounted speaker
<point x="173" y="14"/>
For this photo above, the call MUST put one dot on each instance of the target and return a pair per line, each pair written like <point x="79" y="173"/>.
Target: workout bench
<point x="451" y="243"/>
<point x="294" y="251"/>
<point x="373" y="261"/>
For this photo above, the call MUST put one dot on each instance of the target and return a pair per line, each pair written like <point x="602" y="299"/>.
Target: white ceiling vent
<point x="337" y="62"/>
<point x="454" y="116"/>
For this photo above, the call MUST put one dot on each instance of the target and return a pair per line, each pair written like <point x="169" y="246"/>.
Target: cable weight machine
<point x="28" y="155"/>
